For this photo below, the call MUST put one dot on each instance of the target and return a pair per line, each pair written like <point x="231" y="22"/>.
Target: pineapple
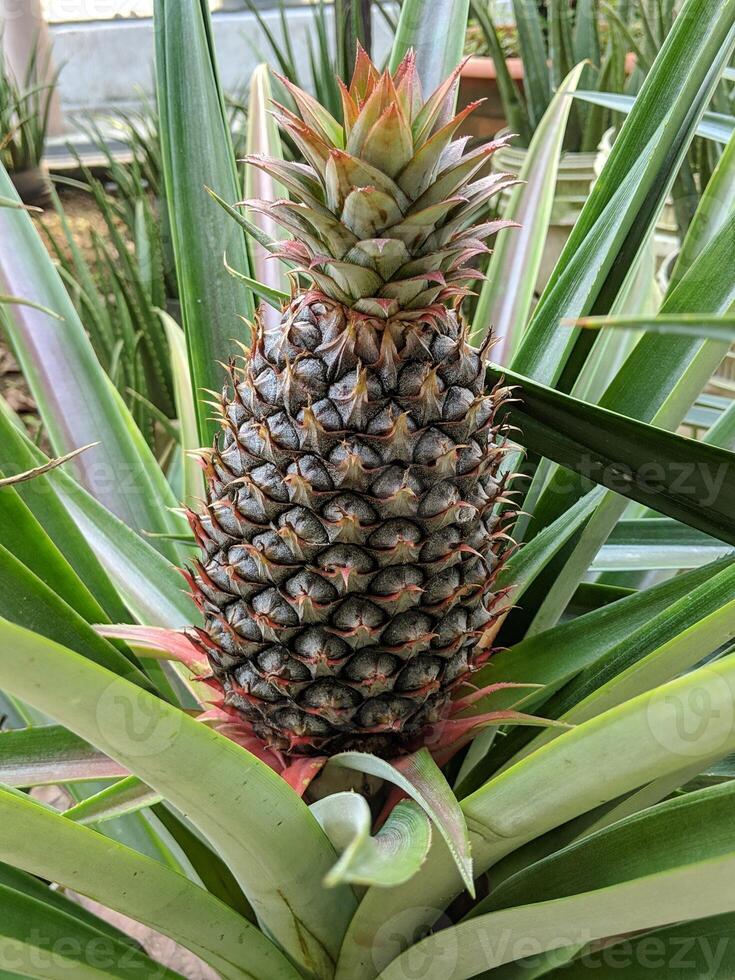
<point x="350" y="540"/>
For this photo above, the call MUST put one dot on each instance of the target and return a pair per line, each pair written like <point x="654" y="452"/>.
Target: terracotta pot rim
<point x="483" y="66"/>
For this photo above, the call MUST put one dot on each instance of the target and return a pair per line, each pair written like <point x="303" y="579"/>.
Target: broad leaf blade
<point x="51" y="754"/>
<point x="26" y="600"/>
<point x="17" y="453"/>
<point x="435" y="29"/>
<point x="39" y="937"/>
<point x="144" y="580"/>
<point x="635" y="460"/>
<point x="390" y="858"/>
<point x="688" y="891"/>
<point x="128" y="882"/>
<point x="281" y="873"/>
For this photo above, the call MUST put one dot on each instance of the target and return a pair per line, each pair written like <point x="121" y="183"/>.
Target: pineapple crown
<point x="383" y="214"/>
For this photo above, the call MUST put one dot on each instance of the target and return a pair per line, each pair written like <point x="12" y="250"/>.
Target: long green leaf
<point x="124" y="796"/>
<point x="627" y="197"/>
<point x="718" y="200"/>
<point x="38" y="940"/>
<point x="23" y="536"/>
<point x="614" y="753"/>
<point x="185" y="409"/>
<point x="702" y="948"/>
<point x="556" y="656"/>
<point x="686" y="633"/>
<point x="676" y="369"/>
<point x="653" y="543"/>
<point x="713" y="126"/>
<point x="197" y="152"/>
<point x="47" y="844"/>
<point x="690" y="828"/>
<point x="149" y="585"/>
<point x="545" y="346"/>
<point x="516" y="113"/>
<point x="522" y="568"/>
<point x="280" y="872"/>
<point x="17" y="453"/>
<point x="683" y="325"/>
<point x="77" y="401"/>
<point x="26" y="600"/>
<point x="212" y="871"/>
<point x="687" y="891"/>
<point x="537" y="78"/>
<point x="51" y="754"/>
<point x="701" y="38"/>
<point x="21" y="881"/>
<point x="19" y="301"/>
<point x="684" y="479"/>
<point x="435" y="29"/>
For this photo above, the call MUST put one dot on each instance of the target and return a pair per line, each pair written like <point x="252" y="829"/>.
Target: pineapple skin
<point x="349" y="545"/>
<point x="350" y="541"/>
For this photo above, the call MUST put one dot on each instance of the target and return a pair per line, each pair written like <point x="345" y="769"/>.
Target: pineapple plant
<point x="352" y="533"/>
<point x="492" y="848"/>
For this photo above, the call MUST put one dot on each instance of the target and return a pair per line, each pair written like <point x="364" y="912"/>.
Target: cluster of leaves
<point x="24" y="112"/>
<point x="550" y="43"/>
<point x="644" y="28"/>
<point x="615" y="822"/>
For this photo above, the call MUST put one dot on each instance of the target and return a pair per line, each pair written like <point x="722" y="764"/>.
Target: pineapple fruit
<point x="350" y="540"/>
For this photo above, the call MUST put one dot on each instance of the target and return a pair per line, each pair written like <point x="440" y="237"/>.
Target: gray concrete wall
<point x="106" y="62"/>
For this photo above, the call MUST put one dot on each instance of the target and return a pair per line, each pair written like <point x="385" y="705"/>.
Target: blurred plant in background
<point x="25" y="106"/>
<point x="550" y="41"/>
